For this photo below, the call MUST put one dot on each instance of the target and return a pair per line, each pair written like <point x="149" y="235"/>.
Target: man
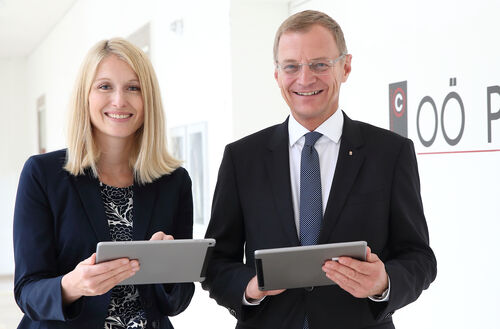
<point x="364" y="186"/>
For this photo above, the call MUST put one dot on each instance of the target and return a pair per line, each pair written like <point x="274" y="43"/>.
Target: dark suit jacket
<point x="375" y="196"/>
<point x="58" y="220"/>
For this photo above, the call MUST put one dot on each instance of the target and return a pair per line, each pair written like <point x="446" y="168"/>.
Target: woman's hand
<point x="161" y="236"/>
<point x="91" y="279"/>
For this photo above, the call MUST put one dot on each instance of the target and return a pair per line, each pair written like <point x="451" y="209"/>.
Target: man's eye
<point x="320" y="66"/>
<point x="291" y="67"/>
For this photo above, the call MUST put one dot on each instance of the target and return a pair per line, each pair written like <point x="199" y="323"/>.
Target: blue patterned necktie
<point x="311" y="205"/>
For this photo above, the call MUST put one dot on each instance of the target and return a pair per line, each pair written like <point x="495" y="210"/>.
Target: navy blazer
<point x="375" y="197"/>
<point x="58" y="221"/>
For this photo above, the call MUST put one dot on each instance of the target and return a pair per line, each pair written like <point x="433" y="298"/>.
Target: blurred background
<point x="428" y="70"/>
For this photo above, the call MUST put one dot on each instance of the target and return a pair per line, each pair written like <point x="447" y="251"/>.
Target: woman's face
<point x="115" y="101"/>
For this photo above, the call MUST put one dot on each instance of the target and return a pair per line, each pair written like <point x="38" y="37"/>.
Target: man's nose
<point x="306" y="76"/>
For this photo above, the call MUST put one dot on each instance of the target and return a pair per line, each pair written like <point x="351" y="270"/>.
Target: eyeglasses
<point x="317" y="67"/>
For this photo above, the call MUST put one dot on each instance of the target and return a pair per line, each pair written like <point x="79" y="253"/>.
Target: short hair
<point x="303" y="21"/>
<point x="149" y="158"/>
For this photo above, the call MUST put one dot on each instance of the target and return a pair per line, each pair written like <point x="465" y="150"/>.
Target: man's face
<point x="312" y="98"/>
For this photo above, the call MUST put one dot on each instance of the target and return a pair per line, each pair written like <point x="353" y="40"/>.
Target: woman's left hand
<point x="161" y="236"/>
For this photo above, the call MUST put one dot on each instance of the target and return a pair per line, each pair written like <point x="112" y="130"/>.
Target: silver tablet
<point x="164" y="261"/>
<point x="299" y="267"/>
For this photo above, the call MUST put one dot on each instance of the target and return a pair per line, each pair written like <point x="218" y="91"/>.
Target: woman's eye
<point x="134" y="88"/>
<point x="104" y="87"/>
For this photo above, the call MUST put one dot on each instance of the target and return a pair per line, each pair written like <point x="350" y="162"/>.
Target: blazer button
<point x="155" y="324"/>
<point x="309" y="289"/>
<point x="233" y="312"/>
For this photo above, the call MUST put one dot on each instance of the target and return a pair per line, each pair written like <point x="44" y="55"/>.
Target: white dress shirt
<point x="327" y="147"/>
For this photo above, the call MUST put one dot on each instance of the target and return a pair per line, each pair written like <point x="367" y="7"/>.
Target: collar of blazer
<point x="90" y="195"/>
<point x="348" y="164"/>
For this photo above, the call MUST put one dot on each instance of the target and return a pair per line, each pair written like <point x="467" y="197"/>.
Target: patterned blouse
<point x="125" y="309"/>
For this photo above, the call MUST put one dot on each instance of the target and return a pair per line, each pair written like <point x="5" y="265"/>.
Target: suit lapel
<point x="349" y="162"/>
<point x="90" y="195"/>
<point x="144" y="200"/>
<point x="278" y="165"/>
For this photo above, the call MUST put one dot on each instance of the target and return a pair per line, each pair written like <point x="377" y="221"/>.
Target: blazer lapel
<point x="349" y="162"/>
<point x="278" y="165"/>
<point x="90" y="195"/>
<point x="144" y="201"/>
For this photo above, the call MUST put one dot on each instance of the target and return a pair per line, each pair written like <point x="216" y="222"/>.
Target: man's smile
<point x="308" y="93"/>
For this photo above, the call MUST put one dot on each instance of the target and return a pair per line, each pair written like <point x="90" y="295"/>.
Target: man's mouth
<point x="308" y="93"/>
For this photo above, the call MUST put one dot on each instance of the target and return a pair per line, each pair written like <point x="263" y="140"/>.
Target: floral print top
<point x="125" y="309"/>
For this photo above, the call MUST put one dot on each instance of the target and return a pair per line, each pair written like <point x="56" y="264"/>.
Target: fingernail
<point x="125" y="261"/>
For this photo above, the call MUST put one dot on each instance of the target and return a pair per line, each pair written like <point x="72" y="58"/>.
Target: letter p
<point x="492" y="116"/>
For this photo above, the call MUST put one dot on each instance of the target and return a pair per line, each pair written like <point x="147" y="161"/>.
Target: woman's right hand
<point x="91" y="279"/>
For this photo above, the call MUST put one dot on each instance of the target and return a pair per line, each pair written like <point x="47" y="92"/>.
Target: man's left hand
<point x="359" y="278"/>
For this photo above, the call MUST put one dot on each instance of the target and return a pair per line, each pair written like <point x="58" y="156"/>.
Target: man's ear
<point x="347" y="67"/>
<point x="276" y="77"/>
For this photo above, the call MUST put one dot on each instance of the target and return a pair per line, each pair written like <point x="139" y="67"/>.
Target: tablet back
<point x="299" y="267"/>
<point x="165" y="261"/>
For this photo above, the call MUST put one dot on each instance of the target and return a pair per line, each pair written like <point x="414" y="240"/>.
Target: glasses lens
<point x="291" y="68"/>
<point x="320" y="67"/>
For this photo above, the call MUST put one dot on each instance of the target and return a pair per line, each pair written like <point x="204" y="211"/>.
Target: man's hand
<point x="252" y="291"/>
<point x="360" y="279"/>
<point x="91" y="279"/>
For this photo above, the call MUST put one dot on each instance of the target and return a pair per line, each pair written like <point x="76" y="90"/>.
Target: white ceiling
<point x="25" y="23"/>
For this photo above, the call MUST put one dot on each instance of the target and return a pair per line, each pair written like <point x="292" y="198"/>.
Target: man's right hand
<point x="91" y="279"/>
<point x="252" y="291"/>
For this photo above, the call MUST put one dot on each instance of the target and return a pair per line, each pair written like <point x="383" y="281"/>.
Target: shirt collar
<point x="331" y="128"/>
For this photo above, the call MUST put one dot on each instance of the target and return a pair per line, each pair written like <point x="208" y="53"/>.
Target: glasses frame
<point x="331" y="62"/>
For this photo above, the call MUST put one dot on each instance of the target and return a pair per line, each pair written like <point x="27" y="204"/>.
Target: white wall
<point x="257" y="100"/>
<point x="426" y="43"/>
<point x="195" y="77"/>
<point x="18" y="141"/>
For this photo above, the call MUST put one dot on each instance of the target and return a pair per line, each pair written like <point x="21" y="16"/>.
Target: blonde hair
<point x="149" y="158"/>
<point x="303" y="21"/>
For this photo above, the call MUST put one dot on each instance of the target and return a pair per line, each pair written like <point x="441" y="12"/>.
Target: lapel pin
<point x="350" y="152"/>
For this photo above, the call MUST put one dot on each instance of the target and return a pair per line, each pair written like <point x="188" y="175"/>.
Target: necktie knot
<point x="312" y="137"/>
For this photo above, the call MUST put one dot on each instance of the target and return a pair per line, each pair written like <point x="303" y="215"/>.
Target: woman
<point x="115" y="181"/>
